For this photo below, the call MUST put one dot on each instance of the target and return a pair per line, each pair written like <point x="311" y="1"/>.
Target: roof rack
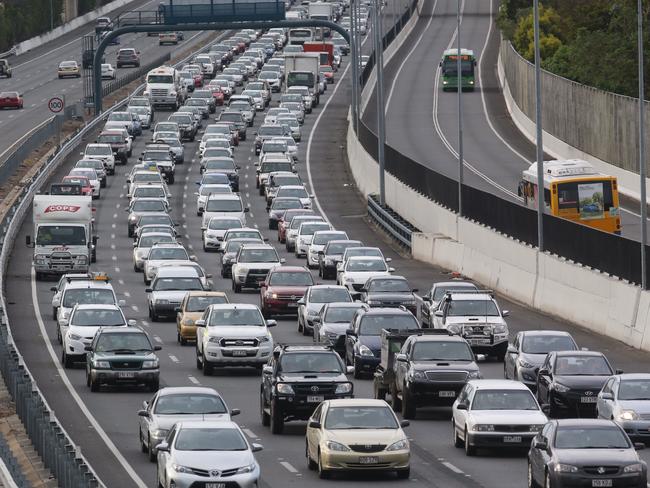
<point x="469" y="292"/>
<point x="96" y="276"/>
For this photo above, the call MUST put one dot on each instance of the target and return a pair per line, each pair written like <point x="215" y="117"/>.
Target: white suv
<point x="251" y="265"/>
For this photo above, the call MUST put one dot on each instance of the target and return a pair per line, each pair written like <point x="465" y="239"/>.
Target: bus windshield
<point x="450" y="67"/>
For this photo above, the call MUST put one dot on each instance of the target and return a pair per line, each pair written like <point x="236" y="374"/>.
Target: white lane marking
<point x="194" y="380"/>
<point x="112" y="236"/>
<point x="114" y="258"/>
<point x="134" y="308"/>
<point x="174" y="358"/>
<point x="157" y="339"/>
<point x="287" y="465"/>
<point x="117" y="206"/>
<point x="115" y="216"/>
<point x="250" y="434"/>
<point x="117" y="270"/>
<point x="406" y="58"/>
<point x="112" y="246"/>
<point x="127" y="294"/>
<point x="120" y="281"/>
<point x="75" y="396"/>
<point x="113" y="226"/>
<point x="455" y="469"/>
<point x="145" y="323"/>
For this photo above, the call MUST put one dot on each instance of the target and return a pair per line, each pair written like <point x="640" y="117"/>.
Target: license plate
<point x="215" y="485"/>
<point x="589" y="399"/>
<point x="315" y="399"/>
<point x="601" y="483"/>
<point x="239" y="352"/>
<point x="126" y="374"/>
<point x="512" y="438"/>
<point x="368" y="460"/>
<point x="447" y="394"/>
<point x="479" y="341"/>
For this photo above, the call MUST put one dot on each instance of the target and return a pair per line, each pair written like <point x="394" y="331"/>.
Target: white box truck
<point x="301" y="69"/>
<point x="64" y="234"/>
<point x="321" y="11"/>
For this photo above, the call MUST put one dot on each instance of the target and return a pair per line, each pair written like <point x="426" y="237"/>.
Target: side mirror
<point x="131" y="323"/>
<point x="282" y="260"/>
<point x="28" y="241"/>
<point x="439" y="313"/>
<point x="246" y="210"/>
<point x="481" y="357"/>
<point x="619" y="371"/>
<point x="234" y="411"/>
<point x="389" y="260"/>
<point x="426" y="298"/>
<point x="461" y="406"/>
<point x="505" y="313"/>
<point x="271" y="323"/>
<point x="639" y="446"/>
<point x="401" y="358"/>
<point x="543" y="372"/>
<point x="511" y="349"/>
<point x="301" y="301"/>
<point x="64" y="322"/>
<point x="350" y="332"/>
<point x="391" y="270"/>
<point x="53" y="288"/>
<point x="314" y="424"/>
<point x="606" y="396"/>
<point x="404" y="423"/>
<point x="546" y="409"/>
<point x="267" y="370"/>
<point x="256" y="447"/>
<point x="157" y="348"/>
<point x="192" y="257"/>
<point x="200" y="323"/>
<point x="143" y="413"/>
<point x="415" y="290"/>
<point x="88" y="348"/>
<point x="148" y="290"/>
<point x="540" y="444"/>
<point x="321" y="253"/>
<point x="177" y="309"/>
<point x="163" y="447"/>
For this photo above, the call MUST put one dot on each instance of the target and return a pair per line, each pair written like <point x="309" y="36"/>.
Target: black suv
<point x="122" y="356"/>
<point x="430" y="370"/>
<point x="235" y="118"/>
<point x="297" y="379"/>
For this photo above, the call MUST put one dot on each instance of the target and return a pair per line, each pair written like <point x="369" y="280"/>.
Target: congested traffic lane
<point x="435" y="463"/>
<point x="35" y="75"/>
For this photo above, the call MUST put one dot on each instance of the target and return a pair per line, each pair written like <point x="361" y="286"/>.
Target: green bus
<point x="449" y="69"/>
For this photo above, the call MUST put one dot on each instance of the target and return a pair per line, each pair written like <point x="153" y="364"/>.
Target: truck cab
<point x="164" y="87"/>
<point x="5" y="68"/>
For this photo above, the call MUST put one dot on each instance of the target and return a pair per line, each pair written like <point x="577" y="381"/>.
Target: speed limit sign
<point x="55" y="104"/>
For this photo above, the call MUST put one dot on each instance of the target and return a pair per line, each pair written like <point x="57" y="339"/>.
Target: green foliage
<point x="592" y="42"/>
<point x="28" y="18"/>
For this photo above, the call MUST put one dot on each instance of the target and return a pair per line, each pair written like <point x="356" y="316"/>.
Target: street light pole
<point x="642" y="168"/>
<point x="381" y="115"/>
<point x="459" y="85"/>
<point x="51" y="14"/>
<point x="538" y="124"/>
<point x="355" y="67"/>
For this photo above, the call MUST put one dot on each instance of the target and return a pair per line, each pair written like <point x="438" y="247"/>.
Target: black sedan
<point x="569" y="382"/>
<point x="390" y="291"/>
<point x="585" y="453"/>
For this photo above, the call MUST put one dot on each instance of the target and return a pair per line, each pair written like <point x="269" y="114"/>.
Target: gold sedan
<point x="191" y="310"/>
<point x="69" y="68"/>
<point x="355" y="434"/>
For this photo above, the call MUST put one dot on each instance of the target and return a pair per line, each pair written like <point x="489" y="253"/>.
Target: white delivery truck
<point x="321" y="11"/>
<point x="64" y="234"/>
<point x="301" y="69"/>
<point x="164" y="88"/>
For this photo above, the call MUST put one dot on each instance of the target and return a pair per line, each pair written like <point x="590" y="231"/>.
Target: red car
<point x="284" y="220"/>
<point x="218" y="95"/>
<point x="86" y="187"/>
<point x="11" y="100"/>
<point x="283" y="287"/>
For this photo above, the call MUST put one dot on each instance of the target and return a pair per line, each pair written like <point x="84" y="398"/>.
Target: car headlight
<point x="161" y="301"/>
<point x="348" y="280"/>
<point x="188" y="322"/>
<point x="160" y="433"/>
<point x="525" y="364"/>
<point x="415" y="374"/>
<point x="150" y="364"/>
<point x="474" y="375"/>
<point x="633" y="468"/>
<point x="535" y="427"/>
<point x="246" y="469"/>
<point x="40" y="258"/>
<point x="75" y="337"/>
<point x="560" y="388"/>
<point x="483" y="428"/>
<point x="101" y="364"/>
<point x="284" y="389"/>
<point x="263" y="339"/>
<point x="336" y="446"/>
<point x="214" y="340"/>
<point x="343" y="388"/>
<point x="312" y="313"/>
<point x="329" y="261"/>
<point x="500" y="329"/>
<point x="181" y="469"/>
<point x="627" y="415"/>
<point x="365" y="351"/>
<point x="399" y="445"/>
<point x="373" y="302"/>
<point x="454" y="328"/>
<point x="81" y="259"/>
<point x="271" y="295"/>
<point x="565" y="468"/>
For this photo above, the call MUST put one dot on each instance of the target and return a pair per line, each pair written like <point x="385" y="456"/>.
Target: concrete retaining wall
<point x="545" y="282"/>
<point x="579" y="121"/>
<point x="37" y="41"/>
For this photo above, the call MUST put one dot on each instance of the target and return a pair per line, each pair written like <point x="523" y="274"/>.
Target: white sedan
<point x="359" y="269"/>
<point x="108" y="72"/>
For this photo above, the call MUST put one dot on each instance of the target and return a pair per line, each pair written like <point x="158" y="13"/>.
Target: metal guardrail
<point x="390" y="221"/>
<point x="133" y="75"/>
<point x="6" y="54"/>
<point x="11" y="475"/>
<point x="55" y="447"/>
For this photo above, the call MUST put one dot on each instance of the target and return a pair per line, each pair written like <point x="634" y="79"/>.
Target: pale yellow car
<point x="191" y="310"/>
<point x="357" y="434"/>
<point x="69" y="68"/>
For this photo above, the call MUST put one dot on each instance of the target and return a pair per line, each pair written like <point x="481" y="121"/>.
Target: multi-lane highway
<point x="104" y="424"/>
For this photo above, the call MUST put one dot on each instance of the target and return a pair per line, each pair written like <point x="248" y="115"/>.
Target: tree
<point x="550" y="38"/>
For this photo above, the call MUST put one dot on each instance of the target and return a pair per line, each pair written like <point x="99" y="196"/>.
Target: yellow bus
<point x="574" y="190"/>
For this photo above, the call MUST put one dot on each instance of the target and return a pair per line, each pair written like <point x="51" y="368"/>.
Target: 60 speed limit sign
<point x="55" y="104"/>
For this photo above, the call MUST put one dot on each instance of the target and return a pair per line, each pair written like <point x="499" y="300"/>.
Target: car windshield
<point x="484" y="308"/>
<point x="149" y="241"/>
<point x="268" y="167"/>
<point x="111" y="138"/>
<point x="172" y="284"/>
<point x="240" y="106"/>
<point x="207" y="189"/>
<point x="504" y="400"/>
<point x="245" y="234"/>
<point x="155" y="219"/>
<point x="145" y="177"/>
<point x="217" y="152"/>
<point x="217" y="224"/>
<point x="120" y="116"/>
<point x="149" y="191"/>
<point x="236" y="316"/>
<point x="258" y="256"/>
<point x="271" y="130"/>
<point x="156" y="156"/>
<point x="441" y="351"/>
<point x="216" y="178"/>
<point x="285" y="203"/>
<point x="139" y="110"/>
<point x="196" y="102"/>
<point x="309" y="229"/>
<point x="97" y="318"/>
<point x="309" y="362"/>
<point x="389" y="285"/>
<point x="601" y="437"/>
<point x="329" y="295"/>
<point x="119" y="342"/>
<point x="582" y="366"/>
<point x="366" y="265"/>
<point x="363" y="251"/>
<point x="441" y="290"/>
<point x="276" y="147"/>
<point x="55" y="235"/>
<point x="210" y="439"/>
<point x="164" y="253"/>
<point x="148" y="206"/>
<point x="338" y="248"/>
<point x="291" y="278"/>
<point x="231" y="117"/>
<point x="371" y="325"/>
<point x="342" y="418"/>
<point x="222" y="143"/>
<point x="200" y="303"/>
<point x="161" y="79"/>
<point x="189" y="404"/>
<point x="323" y="238"/>
<point x="340" y="315"/>
<point x="218" y="163"/>
<point x="634" y="390"/>
<point x="88" y="296"/>
<point x="543" y="344"/>
<point x="223" y="206"/>
<point x="98" y="150"/>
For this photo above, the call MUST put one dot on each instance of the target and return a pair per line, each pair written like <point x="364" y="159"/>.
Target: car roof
<point x="459" y="284"/>
<point x="177" y="272"/>
<point x="261" y="245"/>
<point x="234" y="306"/>
<point x="169" y="244"/>
<point x="88" y="284"/>
<point x="584" y="422"/>
<point x="207" y="424"/>
<point x="366" y="258"/>
<point x="458" y="296"/>
<point x="387" y="311"/>
<point x="92" y="306"/>
<point x="498" y="384"/>
<point x="224" y="196"/>
<point x="357" y="402"/>
<point x="289" y="269"/>
<point x="175" y="390"/>
<point x="545" y="333"/>
<point x="325" y="287"/>
<point x="577" y="353"/>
